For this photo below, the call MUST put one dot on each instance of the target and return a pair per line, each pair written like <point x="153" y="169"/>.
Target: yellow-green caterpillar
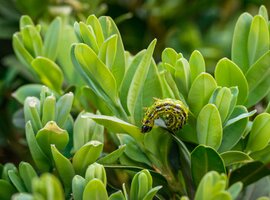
<point x="172" y="111"/>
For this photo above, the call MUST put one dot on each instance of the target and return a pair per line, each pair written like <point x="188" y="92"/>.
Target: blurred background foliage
<point x="185" y="25"/>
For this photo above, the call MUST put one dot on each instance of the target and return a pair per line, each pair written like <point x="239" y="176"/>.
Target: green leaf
<point x="48" y="187"/>
<point x="117" y="125"/>
<point x="240" y="41"/>
<point x="96" y="171"/>
<point x="78" y="184"/>
<point x="22" y="54"/>
<point x="25" y="20"/>
<point x="262" y="155"/>
<point x="235" y="157"/>
<point x="235" y="189"/>
<point x="63" y="108"/>
<point x="88" y="36"/>
<point x="6" y="168"/>
<point x="95" y="190"/>
<point x="26" y="90"/>
<point x="209" y="126"/>
<point x="233" y="132"/>
<point x="249" y="173"/>
<point x="52" y="39"/>
<point x="52" y="134"/>
<point x="96" y="26"/>
<point x="141" y="184"/>
<point x="129" y="76"/>
<point x="139" y="78"/>
<point x="7" y="190"/>
<point x="151" y="194"/>
<point x="96" y="70"/>
<point x="263" y="12"/>
<point x="197" y="65"/>
<point x="258" y="80"/>
<point x="200" y="92"/>
<point x="64" y="169"/>
<point x="259" y="135"/>
<point x="27" y="173"/>
<point x="169" y="56"/>
<point x="32" y="40"/>
<point x="119" y="66"/>
<point x="16" y="180"/>
<point x="48" y="109"/>
<point x="32" y="112"/>
<point x="39" y="157"/>
<point x="222" y="99"/>
<point x="166" y="89"/>
<point x="49" y="72"/>
<point x="86" y="155"/>
<point x="182" y="76"/>
<point x="203" y="160"/>
<point x="117" y="196"/>
<point x="112" y="157"/>
<point x="228" y="74"/>
<point x="212" y="186"/>
<point x="258" y="39"/>
<point x="22" y="196"/>
<point x="108" y="51"/>
<point x="133" y="150"/>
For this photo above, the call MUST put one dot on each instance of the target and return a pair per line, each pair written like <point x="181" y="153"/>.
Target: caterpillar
<point x="172" y="111"/>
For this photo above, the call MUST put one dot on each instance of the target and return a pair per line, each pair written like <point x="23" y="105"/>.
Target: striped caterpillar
<point x="172" y="111"/>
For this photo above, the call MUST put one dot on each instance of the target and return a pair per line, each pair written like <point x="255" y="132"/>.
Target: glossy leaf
<point x="64" y="168"/>
<point x="169" y="56"/>
<point x="63" y="108"/>
<point x="96" y="171"/>
<point x="86" y="155"/>
<point x="32" y="112"/>
<point x="151" y="194"/>
<point x="22" y="196"/>
<point x="88" y="36"/>
<point x="263" y="12"/>
<point x="262" y="155"/>
<point x="182" y="76"/>
<point x="200" y="92"/>
<point x="249" y="173"/>
<point x="39" y="157"/>
<point x="16" y="181"/>
<point x="108" y="51"/>
<point x="259" y="135"/>
<point x="203" y="160"/>
<point x="96" y="26"/>
<point x="7" y="190"/>
<point x="25" y="20"/>
<point x="49" y="72"/>
<point x="233" y="132"/>
<point x="212" y="186"/>
<point x="48" y="187"/>
<point x="235" y="157"/>
<point x="113" y="156"/>
<point x="139" y="78"/>
<point x="117" y="125"/>
<point x="52" y="134"/>
<point x="26" y="90"/>
<point x="240" y="40"/>
<point x="228" y="74"/>
<point x="78" y="185"/>
<point x="209" y="126"/>
<point x="197" y="65"/>
<point x="258" y="39"/>
<point x="258" y="79"/>
<point x="117" y="196"/>
<point x="118" y="68"/>
<point x="52" y="39"/>
<point x="22" y="54"/>
<point x="95" y="190"/>
<point x="48" y="109"/>
<point x="27" y="173"/>
<point x="140" y="185"/>
<point x="222" y="99"/>
<point x="235" y="189"/>
<point x="96" y="70"/>
<point x="32" y="40"/>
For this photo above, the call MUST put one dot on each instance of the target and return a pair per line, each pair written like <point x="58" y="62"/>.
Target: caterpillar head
<point x="146" y="128"/>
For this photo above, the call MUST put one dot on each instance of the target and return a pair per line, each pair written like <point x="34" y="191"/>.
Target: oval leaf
<point x="209" y="126"/>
